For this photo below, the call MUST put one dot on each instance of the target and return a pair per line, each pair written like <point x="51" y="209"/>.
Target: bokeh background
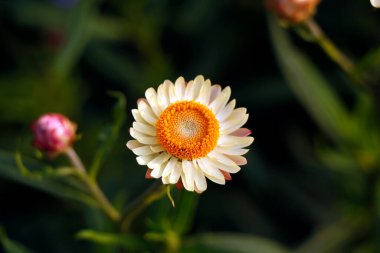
<point x="66" y="55"/>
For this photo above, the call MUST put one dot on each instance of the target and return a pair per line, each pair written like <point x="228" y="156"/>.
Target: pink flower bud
<point x="293" y="11"/>
<point x="53" y="133"/>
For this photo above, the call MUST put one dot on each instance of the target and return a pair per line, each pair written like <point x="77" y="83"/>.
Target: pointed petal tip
<point x="168" y="82"/>
<point x="226" y="175"/>
<point x="129" y="144"/>
<point x="242" y="132"/>
<point x="198" y="191"/>
<point x="199" y="78"/>
<point x="140" y="100"/>
<point x="179" y="184"/>
<point x="147" y="174"/>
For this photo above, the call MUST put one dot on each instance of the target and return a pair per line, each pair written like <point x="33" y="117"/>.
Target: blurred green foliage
<point x="312" y="179"/>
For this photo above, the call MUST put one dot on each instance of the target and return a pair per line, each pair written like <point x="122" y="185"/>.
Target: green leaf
<point x="231" y="243"/>
<point x="11" y="246"/>
<point x="126" y="241"/>
<point x="79" y="34"/>
<point x="184" y="212"/>
<point x="333" y="237"/>
<point x="311" y="88"/>
<point x="40" y="176"/>
<point x="109" y="135"/>
<point x="342" y="161"/>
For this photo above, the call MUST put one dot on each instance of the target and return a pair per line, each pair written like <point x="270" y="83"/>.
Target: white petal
<point x="375" y="3"/>
<point x="144" y="139"/>
<point x="179" y="88"/>
<point x="144" y="128"/>
<point x="163" y="95"/>
<point x="226" y="111"/>
<point x="237" y="113"/>
<point x="231" y="151"/>
<point x="220" y="102"/>
<point x="239" y="160"/>
<point x="188" y="171"/>
<point x="211" y="172"/>
<point x="188" y="91"/>
<point x="184" y="181"/>
<point x="199" y="178"/>
<point x="134" y="144"/>
<point x="176" y="173"/>
<point x="159" y="160"/>
<point x="137" y="116"/>
<point x="157" y="172"/>
<point x="231" y="168"/>
<point x="172" y="97"/>
<point x="233" y="124"/>
<point x="144" y="160"/>
<point x="144" y="150"/>
<point x="215" y="92"/>
<point x="221" y="158"/>
<point x="157" y="148"/>
<point x="234" y="142"/>
<point x="204" y="93"/>
<point x="242" y="132"/>
<point x="197" y="85"/>
<point x="169" y="166"/>
<point x="151" y="96"/>
<point x="146" y="112"/>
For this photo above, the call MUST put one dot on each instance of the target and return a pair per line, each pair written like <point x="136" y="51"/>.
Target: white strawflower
<point x="186" y="133"/>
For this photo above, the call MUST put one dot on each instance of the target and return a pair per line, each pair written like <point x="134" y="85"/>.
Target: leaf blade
<point x="110" y="133"/>
<point x="231" y="243"/>
<point x="311" y="88"/>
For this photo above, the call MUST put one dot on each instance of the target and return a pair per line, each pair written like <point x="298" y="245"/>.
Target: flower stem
<point x="331" y="50"/>
<point x="75" y="160"/>
<point x="92" y="186"/>
<point x="155" y="192"/>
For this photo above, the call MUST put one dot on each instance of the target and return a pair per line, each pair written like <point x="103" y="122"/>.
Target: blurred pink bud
<point x="293" y="11"/>
<point x="53" y="133"/>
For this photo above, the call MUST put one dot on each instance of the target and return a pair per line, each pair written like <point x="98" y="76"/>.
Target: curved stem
<point x="75" y="160"/>
<point x="92" y="186"/>
<point x="155" y="192"/>
<point x="331" y="50"/>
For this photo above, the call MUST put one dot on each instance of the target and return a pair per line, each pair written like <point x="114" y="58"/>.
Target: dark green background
<point x="57" y="56"/>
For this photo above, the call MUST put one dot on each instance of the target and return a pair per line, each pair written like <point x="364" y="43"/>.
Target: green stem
<point x="92" y="186"/>
<point x="155" y="192"/>
<point x="373" y="186"/>
<point x="75" y="160"/>
<point x="331" y="50"/>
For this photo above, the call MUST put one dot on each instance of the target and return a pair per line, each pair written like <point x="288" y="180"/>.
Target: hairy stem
<point x="92" y="186"/>
<point x="331" y="50"/>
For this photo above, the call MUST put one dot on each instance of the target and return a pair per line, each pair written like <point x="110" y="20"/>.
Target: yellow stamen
<point x="187" y="130"/>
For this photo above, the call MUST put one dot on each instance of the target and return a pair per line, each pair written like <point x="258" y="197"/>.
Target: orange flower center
<point x="187" y="130"/>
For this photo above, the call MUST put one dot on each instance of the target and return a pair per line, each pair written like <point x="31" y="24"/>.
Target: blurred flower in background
<point x="293" y="11"/>
<point x="375" y="3"/>
<point x="53" y="133"/>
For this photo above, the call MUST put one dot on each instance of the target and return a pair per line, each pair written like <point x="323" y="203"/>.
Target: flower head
<point x="375" y="3"/>
<point x="53" y="133"/>
<point x="293" y="11"/>
<point x="186" y="133"/>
